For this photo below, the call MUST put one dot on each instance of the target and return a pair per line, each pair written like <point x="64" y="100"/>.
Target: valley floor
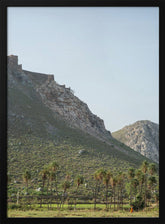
<point x="153" y="213"/>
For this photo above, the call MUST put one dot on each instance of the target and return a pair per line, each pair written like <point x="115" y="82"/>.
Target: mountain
<point x="142" y="136"/>
<point x="46" y="122"/>
<point x="58" y="99"/>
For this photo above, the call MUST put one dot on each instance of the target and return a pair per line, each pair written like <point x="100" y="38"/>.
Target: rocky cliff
<point x="142" y="136"/>
<point x="59" y="99"/>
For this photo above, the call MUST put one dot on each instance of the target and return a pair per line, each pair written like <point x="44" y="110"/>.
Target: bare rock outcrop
<point x="142" y="136"/>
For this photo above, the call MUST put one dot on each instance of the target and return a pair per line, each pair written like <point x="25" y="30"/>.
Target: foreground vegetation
<point x="112" y="191"/>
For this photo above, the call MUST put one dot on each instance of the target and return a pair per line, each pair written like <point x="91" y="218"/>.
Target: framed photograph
<point x="80" y="110"/>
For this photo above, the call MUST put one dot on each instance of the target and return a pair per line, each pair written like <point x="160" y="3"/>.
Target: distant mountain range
<point x="47" y="122"/>
<point x="142" y="136"/>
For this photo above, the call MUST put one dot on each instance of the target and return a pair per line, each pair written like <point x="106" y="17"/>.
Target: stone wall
<point x="13" y="63"/>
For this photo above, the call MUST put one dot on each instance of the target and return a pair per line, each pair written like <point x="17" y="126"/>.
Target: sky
<point x="109" y="56"/>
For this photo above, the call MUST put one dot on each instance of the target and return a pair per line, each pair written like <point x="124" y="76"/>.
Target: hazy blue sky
<point x="108" y="55"/>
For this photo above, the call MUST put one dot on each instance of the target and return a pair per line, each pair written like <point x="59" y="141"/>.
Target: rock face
<point x="142" y="136"/>
<point x="59" y="99"/>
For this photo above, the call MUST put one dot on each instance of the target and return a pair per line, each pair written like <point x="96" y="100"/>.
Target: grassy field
<point x="83" y="212"/>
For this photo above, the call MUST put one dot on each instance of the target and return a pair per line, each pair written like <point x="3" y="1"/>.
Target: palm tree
<point x="123" y="176"/>
<point x="52" y="177"/>
<point x="140" y="177"/>
<point x="68" y="178"/>
<point x="113" y="182"/>
<point x="134" y="183"/>
<point x="151" y="182"/>
<point x="54" y="167"/>
<point x="98" y="176"/>
<point x="26" y="178"/>
<point x="120" y="183"/>
<point x="152" y="168"/>
<point x="144" y="168"/>
<point x="106" y="180"/>
<point x="101" y="174"/>
<point x="79" y="180"/>
<point x="44" y="175"/>
<point x="131" y="174"/>
<point x="65" y="186"/>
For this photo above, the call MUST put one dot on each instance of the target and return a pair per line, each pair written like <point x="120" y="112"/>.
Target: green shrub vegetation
<point x="113" y="189"/>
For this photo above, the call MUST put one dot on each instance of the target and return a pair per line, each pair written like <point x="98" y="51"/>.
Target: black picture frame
<point x="4" y="4"/>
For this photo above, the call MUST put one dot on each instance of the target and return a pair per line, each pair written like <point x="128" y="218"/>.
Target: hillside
<point x="142" y="136"/>
<point x="47" y="123"/>
<point x="58" y="99"/>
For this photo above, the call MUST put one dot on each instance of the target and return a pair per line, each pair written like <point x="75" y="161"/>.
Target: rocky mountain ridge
<point x="59" y="99"/>
<point x="142" y="136"/>
<point x="42" y="127"/>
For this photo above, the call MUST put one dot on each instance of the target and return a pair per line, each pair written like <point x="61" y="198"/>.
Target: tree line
<point x="138" y="187"/>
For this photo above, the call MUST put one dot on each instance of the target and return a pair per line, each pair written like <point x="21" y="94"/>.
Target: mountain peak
<point x="142" y="136"/>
